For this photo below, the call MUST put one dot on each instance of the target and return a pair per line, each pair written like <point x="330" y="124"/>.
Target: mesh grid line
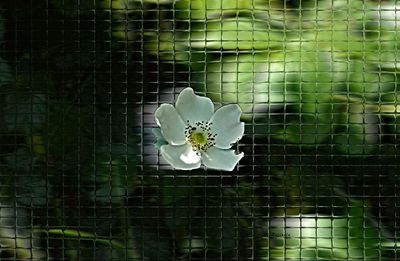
<point x="81" y="179"/>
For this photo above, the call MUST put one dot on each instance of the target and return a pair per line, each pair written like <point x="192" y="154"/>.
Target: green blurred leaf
<point x="208" y="9"/>
<point x="319" y="237"/>
<point x="5" y="73"/>
<point x="220" y="227"/>
<point x="16" y="240"/>
<point x="25" y="113"/>
<point x="360" y="131"/>
<point x="319" y="51"/>
<point x="153" y="241"/>
<point x="114" y="173"/>
<point x="299" y="82"/>
<point x="22" y="160"/>
<point x="175" y="190"/>
<point x="31" y="187"/>
<point x="249" y="80"/>
<point x="300" y="190"/>
<point x="80" y="235"/>
<point x="234" y="34"/>
<point x="369" y="82"/>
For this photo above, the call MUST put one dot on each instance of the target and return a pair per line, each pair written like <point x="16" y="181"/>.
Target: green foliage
<point x="300" y="58"/>
<point x="312" y="237"/>
<point x="55" y="160"/>
<point x="5" y="74"/>
<point x="80" y="235"/>
<point x="15" y="238"/>
<point x="315" y="79"/>
<point x="286" y="80"/>
<point x="208" y="9"/>
<point x="24" y="113"/>
<point x="113" y="177"/>
<point x="232" y="34"/>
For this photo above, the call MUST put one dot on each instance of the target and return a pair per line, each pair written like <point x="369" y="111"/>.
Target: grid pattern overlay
<point x="81" y="179"/>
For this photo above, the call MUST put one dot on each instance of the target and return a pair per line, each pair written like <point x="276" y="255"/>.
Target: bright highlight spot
<point x="190" y="157"/>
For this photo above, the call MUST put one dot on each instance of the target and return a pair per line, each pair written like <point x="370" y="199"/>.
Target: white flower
<point x="191" y="133"/>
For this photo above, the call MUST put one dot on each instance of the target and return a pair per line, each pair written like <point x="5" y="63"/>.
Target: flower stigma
<point x="199" y="136"/>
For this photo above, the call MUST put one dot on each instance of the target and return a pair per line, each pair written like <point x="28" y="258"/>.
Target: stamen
<point x="200" y="137"/>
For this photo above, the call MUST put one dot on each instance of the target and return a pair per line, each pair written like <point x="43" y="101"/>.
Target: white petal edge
<point x="215" y="158"/>
<point x="181" y="157"/>
<point x="159" y="138"/>
<point x="226" y="124"/>
<point x="171" y="124"/>
<point x="194" y="108"/>
<point x="157" y="133"/>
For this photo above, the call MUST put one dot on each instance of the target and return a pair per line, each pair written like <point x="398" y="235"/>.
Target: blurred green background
<point x="317" y="81"/>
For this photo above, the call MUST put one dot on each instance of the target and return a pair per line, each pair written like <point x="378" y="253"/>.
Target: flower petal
<point x="226" y="124"/>
<point x="157" y="133"/>
<point x="215" y="158"/>
<point x="194" y="108"/>
<point x="160" y="139"/>
<point x="181" y="157"/>
<point x="171" y="124"/>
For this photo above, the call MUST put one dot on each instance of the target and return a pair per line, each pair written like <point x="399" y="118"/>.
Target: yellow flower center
<point x="199" y="138"/>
